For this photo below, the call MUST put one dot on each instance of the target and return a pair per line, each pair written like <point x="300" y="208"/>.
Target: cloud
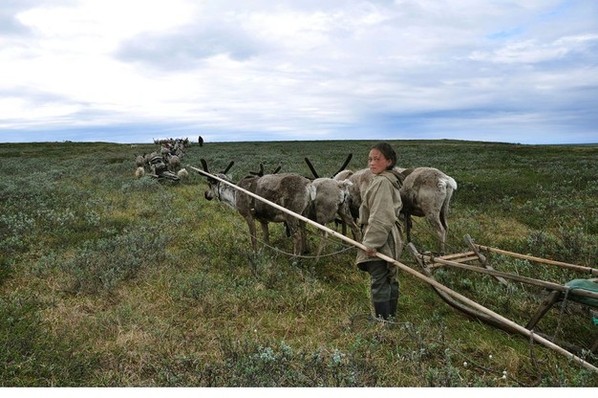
<point x="309" y="69"/>
<point x="9" y="23"/>
<point x="185" y="48"/>
<point x="532" y="51"/>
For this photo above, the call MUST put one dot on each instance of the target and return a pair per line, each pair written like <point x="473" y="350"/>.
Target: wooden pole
<point x="518" y="278"/>
<point x="590" y="270"/>
<point x="460" y="260"/>
<point x="431" y="281"/>
<point x="483" y="259"/>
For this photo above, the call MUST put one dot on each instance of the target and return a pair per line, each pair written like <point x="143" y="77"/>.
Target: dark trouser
<point x="384" y="287"/>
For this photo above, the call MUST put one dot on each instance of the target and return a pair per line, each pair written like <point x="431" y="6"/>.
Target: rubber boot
<point x="382" y="309"/>
<point x="392" y="307"/>
<point x="394" y="299"/>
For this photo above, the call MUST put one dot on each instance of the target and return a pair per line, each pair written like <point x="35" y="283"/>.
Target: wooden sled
<point x="583" y="291"/>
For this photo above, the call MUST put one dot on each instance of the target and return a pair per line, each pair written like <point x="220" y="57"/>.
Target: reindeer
<point x="140" y="160"/>
<point x="288" y="190"/>
<point x="425" y="192"/>
<point x="330" y="198"/>
<point x="174" y="163"/>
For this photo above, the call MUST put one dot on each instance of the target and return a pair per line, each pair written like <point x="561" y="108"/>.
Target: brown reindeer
<point x="330" y="199"/>
<point x="288" y="190"/>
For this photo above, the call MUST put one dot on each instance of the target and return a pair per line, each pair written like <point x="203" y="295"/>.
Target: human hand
<point x="370" y="251"/>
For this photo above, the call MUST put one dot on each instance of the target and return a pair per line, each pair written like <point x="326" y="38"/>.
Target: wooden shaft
<point x="461" y="261"/>
<point x="458" y="256"/>
<point x="431" y="281"/>
<point x="483" y="259"/>
<point x="519" y="278"/>
<point x="576" y="267"/>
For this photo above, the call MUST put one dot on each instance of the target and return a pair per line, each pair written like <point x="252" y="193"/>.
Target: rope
<point x="286" y="253"/>
<point x="292" y="255"/>
<point x="276" y="249"/>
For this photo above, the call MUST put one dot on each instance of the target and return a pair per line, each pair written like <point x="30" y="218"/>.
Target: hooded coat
<point x="379" y="217"/>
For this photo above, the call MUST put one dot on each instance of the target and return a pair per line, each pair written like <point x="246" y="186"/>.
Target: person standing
<point x="379" y="218"/>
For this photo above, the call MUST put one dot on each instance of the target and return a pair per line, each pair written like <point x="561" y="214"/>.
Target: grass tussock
<point x="108" y="280"/>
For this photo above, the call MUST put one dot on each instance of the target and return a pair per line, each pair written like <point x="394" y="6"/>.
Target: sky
<point x="131" y="71"/>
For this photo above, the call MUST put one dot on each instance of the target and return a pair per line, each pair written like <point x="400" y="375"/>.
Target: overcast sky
<point x="238" y="70"/>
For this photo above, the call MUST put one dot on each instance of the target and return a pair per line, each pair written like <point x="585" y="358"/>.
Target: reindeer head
<point x="214" y="184"/>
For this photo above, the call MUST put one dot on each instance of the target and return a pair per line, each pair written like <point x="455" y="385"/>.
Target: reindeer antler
<point x="311" y="168"/>
<point x="204" y="164"/>
<point x="258" y="173"/>
<point x="262" y="172"/>
<point x="228" y="167"/>
<point x="344" y="164"/>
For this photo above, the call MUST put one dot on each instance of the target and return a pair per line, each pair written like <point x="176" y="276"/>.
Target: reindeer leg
<point x="408" y="226"/>
<point x="297" y="232"/>
<point x="434" y="221"/>
<point x="251" y="225"/>
<point x="265" y="232"/>
<point x="297" y="238"/>
<point x="443" y="241"/>
<point x="323" y="239"/>
<point x="347" y="219"/>
<point x="303" y="235"/>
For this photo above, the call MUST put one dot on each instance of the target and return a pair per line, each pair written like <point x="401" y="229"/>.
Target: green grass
<point x="106" y="280"/>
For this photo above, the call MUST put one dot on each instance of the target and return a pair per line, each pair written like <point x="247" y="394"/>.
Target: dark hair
<point x="388" y="153"/>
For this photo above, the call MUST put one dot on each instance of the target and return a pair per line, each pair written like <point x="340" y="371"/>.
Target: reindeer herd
<point x="165" y="163"/>
<point x="425" y="192"/>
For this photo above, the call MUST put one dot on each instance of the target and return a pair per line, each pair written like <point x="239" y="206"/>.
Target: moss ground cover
<point x="108" y="280"/>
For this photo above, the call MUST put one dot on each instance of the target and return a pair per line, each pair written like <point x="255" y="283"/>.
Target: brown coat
<point x="379" y="217"/>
